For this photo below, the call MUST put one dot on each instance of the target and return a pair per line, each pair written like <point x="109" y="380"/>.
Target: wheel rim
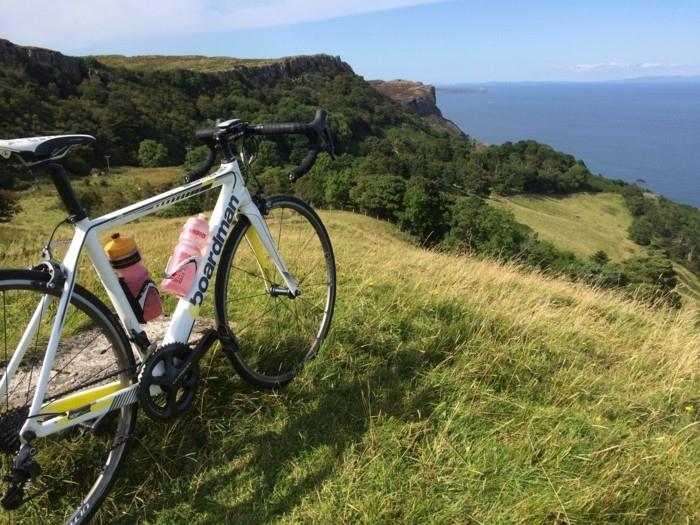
<point x="77" y="464"/>
<point x="276" y="334"/>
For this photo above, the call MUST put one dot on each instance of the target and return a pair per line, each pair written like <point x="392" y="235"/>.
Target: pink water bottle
<point x="124" y="256"/>
<point x="183" y="263"/>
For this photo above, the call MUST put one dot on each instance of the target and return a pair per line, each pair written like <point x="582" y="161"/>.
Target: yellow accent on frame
<point x="80" y="399"/>
<point x="264" y="262"/>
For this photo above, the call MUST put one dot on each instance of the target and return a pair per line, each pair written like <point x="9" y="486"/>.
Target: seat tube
<point x="70" y="264"/>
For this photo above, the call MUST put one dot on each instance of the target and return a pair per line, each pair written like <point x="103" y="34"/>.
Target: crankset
<point x="170" y="378"/>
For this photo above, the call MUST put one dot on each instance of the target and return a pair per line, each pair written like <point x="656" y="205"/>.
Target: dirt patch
<point x="82" y="358"/>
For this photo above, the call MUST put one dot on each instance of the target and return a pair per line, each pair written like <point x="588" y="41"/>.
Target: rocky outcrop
<point x="419" y="98"/>
<point x="268" y="73"/>
<point x="13" y="55"/>
<point x="288" y="67"/>
<point x="416" y="96"/>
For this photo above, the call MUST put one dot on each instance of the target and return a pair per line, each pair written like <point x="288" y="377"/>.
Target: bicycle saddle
<point x="33" y="150"/>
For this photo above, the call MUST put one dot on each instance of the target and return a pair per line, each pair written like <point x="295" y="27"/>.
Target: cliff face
<point x="13" y="55"/>
<point x="416" y="96"/>
<point x="286" y="68"/>
<point x="258" y="72"/>
<point x="419" y="98"/>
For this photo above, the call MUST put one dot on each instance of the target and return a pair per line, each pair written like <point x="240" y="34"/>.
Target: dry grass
<point x="203" y="64"/>
<point x="451" y="390"/>
<point x="582" y="223"/>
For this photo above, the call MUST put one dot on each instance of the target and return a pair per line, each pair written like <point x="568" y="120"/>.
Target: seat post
<point x="65" y="191"/>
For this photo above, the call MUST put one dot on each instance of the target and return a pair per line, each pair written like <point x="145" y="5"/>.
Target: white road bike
<point x="73" y="372"/>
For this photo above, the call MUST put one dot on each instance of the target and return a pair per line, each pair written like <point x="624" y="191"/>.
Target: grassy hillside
<point x="203" y="64"/>
<point x="451" y="390"/>
<point x="585" y="223"/>
<point x="582" y="223"/>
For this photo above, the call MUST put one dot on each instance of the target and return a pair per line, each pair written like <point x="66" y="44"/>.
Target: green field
<point x="203" y="64"/>
<point x="585" y="223"/>
<point x="451" y="390"/>
<point x="582" y="223"/>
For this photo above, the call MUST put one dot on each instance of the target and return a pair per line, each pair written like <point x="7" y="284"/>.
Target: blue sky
<point x="432" y="41"/>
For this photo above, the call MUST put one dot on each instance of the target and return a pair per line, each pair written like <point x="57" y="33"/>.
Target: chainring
<point x="163" y="394"/>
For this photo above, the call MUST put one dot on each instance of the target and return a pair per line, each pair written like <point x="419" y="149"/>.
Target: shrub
<point x="152" y="154"/>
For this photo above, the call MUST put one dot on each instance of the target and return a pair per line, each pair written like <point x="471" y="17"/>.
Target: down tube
<point x="222" y="220"/>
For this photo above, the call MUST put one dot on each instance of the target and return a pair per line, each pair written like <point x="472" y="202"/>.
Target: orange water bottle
<point x="183" y="263"/>
<point x="124" y="256"/>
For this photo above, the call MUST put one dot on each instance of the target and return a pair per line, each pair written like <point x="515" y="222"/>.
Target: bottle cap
<point x="122" y="251"/>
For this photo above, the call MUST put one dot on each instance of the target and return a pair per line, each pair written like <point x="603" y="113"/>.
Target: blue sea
<point x="623" y="130"/>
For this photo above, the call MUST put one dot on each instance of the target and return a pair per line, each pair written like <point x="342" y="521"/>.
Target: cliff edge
<point x="419" y="98"/>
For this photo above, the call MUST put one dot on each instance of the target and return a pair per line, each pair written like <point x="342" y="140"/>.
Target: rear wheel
<point x="78" y="465"/>
<point x="275" y="335"/>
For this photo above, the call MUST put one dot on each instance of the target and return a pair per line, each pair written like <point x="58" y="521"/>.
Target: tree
<point x="152" y="154"/>
<point x="641" y="231"/>
<point x="423" y="211"/>
<point x="476" y="226"/>
<point x="337" y="188"/>
<point x="380" y="195"/>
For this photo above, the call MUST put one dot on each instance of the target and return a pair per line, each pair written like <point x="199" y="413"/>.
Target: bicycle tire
<point x="273" y="354"/>
<point x="68" y="455"/>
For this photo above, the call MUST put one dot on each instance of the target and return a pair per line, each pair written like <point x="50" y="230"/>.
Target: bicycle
<point x="71" y="383"/>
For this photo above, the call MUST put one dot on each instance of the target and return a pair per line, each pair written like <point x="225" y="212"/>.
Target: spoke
<point x="59" y="372"/>
<point x="306" y="276"/>
<point x="36" y="343"/>
<point x="306" y="285"/>
<point x="249" y="273"/>
<point x="238" y="299"/>
<point x="279" y="232"/>
<point x="312" y="304"/>
<point x="303" y="247"/>
<point x="295" y="312"/>
<point x="241" y="330"/>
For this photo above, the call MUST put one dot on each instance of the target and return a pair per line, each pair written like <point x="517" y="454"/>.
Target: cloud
<point x="622" y="67"/>
<point x="66" y="24"/>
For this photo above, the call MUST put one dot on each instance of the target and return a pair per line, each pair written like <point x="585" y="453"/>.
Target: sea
<point x="638" y="131"/>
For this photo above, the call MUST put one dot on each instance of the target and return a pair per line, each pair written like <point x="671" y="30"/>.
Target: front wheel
<point x="272" y="334"/>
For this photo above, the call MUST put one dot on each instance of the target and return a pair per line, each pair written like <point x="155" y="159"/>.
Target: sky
<point x="434" y="41"/>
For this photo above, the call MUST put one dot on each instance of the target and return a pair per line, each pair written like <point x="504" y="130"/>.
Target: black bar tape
<point x="202" y="170"/>
<point x="304" y="167"/>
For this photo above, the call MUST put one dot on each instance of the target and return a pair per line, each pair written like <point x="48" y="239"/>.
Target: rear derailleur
<point x="23" y="470"/>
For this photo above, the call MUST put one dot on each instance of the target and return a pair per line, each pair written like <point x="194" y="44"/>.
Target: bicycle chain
<point x="14" y="418"/>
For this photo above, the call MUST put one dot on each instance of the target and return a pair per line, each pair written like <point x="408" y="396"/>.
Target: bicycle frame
<point x="92" y="403"/>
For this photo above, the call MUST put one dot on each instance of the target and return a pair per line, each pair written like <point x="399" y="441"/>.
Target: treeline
<point x="664" y="225"/>
<point x="441" y="216"/>
<point x="391" y="164"/>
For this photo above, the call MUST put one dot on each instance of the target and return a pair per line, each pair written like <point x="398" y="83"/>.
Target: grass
<point x="582" y="223"/>
<point x="203" y="64"/>
<point x="450" y="390"/>
<point x="585" y="223"/>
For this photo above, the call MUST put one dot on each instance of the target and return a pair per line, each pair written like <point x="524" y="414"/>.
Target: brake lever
<point x="328" y="142"/>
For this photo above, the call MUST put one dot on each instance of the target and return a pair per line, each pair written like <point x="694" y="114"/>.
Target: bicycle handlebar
<point x="204" y="168"/>
<point x="316" y="131"/>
